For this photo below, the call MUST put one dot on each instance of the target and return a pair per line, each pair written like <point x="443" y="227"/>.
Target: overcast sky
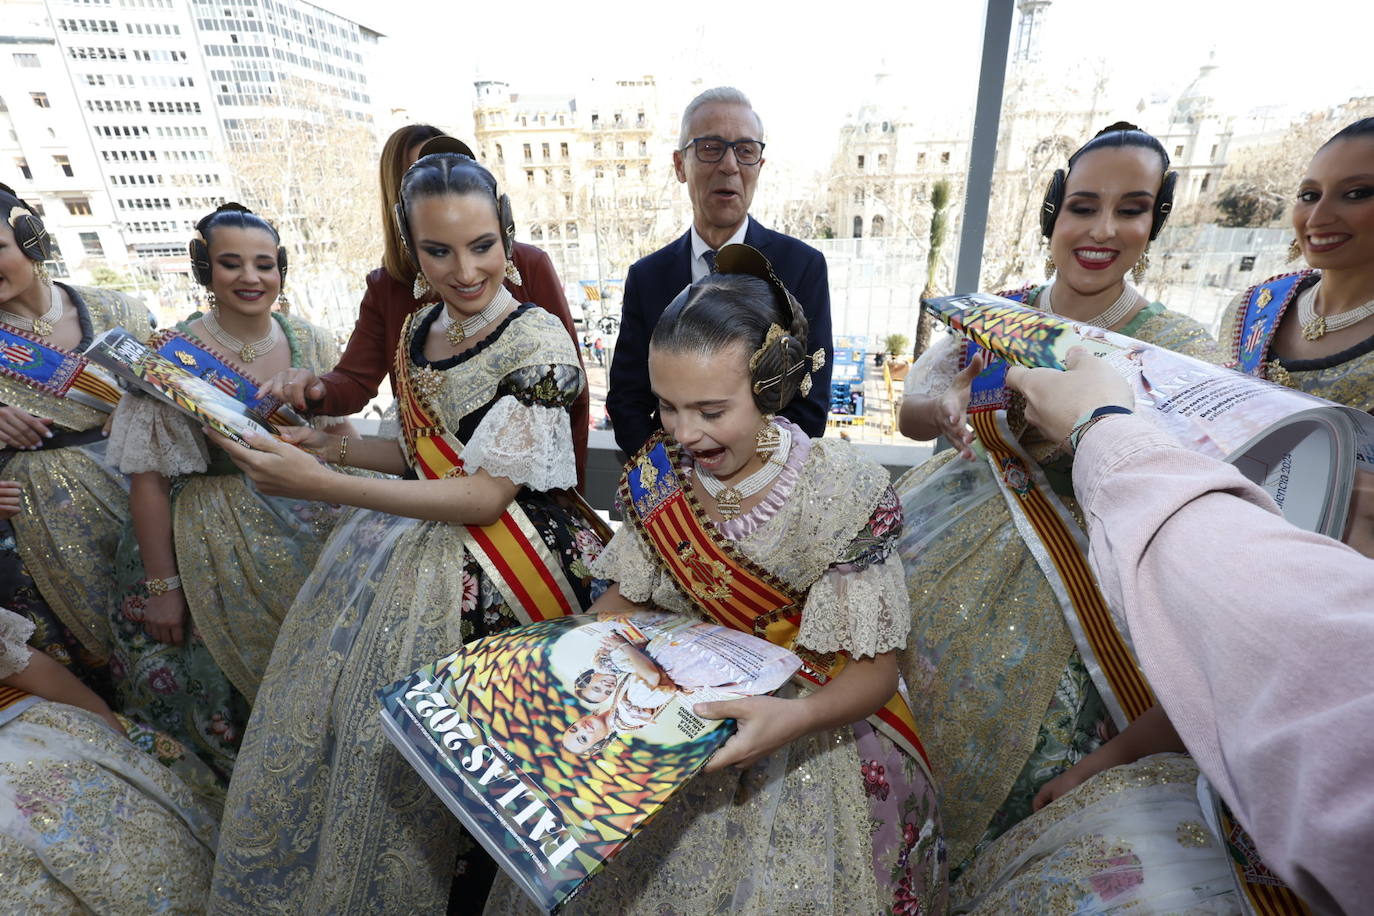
<point x="807" y="64"/>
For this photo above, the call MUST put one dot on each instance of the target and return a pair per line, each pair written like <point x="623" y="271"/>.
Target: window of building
<point x="620" y="171"/>
<point x="26" y="60"/>
<point x="861" y="162"/>
<point x="40" y="99"/>
<point x="882" y="159"/>
<point x="529" y="156"/>
<point x="63" y="163"/>
<point x="23" y="166"/>
<point x="563" y="151"/>
<point x="529" y="177"/>
<point x="643" y="148"/>
<point x="944" y="157"/>
<point x="544" y="148"/>
<point x="90" y="241"/>
<point x="1178" y="151"/>
<point x="78" y="206"/>
<point x="858" y="227"/>
<point x="878" y="225"/>
<point x="858" y="195"/>
<point x="548" y="176"/>
<point x="1206" y="180"/>
<point x="536" y="233"/>
<point x="920" y="158"/>
<point x="500" y="154"/>
<point x="619" y="148"/>
<point x="1213" y="157"/>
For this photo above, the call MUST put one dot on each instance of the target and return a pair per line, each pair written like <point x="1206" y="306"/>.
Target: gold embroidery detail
<point x="428" y="382"/>
<point x="710" y="578"/>
<point x="186" y="359"/>
<point x="1275" y="372"/>
<point x="1193" y="835"/>
<point x="1265" y="297"/>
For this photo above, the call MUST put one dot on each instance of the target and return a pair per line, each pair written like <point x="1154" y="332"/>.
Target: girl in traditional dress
<point x="57" y="556"/>
<point x="1017" y="702"/>
<point x="324" y="815"/>
<point x="209" y="565"/>
<point x="820" y="802"/>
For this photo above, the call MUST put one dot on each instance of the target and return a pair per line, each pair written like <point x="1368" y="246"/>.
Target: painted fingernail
<point x="47" y="434"/>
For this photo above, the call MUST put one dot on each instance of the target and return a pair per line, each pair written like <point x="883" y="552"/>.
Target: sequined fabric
<point x="91" y="823"/>
<point x="1129" y="840"/>
<point x="241" y="556"/>
<point x="324" y="815"/>
<point x="74" y="504"/>
<point x="989" y="645"/>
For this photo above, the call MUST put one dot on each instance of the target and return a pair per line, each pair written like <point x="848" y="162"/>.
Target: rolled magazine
<point x="556" y="742"/>
<point x="1303" y="450"/>
<point x="139" y="367"/>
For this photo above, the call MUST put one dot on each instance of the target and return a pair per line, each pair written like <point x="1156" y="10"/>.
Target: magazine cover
<point x="556" y="742"/>
<point x="131" y="361"/>
<point x="1302" y="449"/>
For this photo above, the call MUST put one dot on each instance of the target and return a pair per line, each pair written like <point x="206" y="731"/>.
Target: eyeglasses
<point x="712" y="149"/>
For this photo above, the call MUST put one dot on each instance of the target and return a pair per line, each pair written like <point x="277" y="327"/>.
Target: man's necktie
<point x="709" y="256"/>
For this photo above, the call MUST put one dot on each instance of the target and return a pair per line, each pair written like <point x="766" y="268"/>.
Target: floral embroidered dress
<point x="324" y="815"/>
<point x="1346" y="377"/>
<point x="1001" y="696"/>
<point x="57" y="555"/>
<point x="839" y="821"/>
<point x="89" y="821"/>
<point x="241" y="556"/>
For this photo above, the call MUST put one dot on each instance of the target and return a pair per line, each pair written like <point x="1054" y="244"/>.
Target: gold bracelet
<point x="343" y="452"/>
<point x="158" y="586"/>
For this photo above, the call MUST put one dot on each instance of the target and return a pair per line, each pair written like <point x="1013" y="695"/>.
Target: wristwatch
<point x="162" y="586"/>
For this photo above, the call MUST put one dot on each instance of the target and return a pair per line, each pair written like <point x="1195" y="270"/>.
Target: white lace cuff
<point x="148" y="436"/>
<point x="936" y="368"/>
<point x="14" y="642"/>
<point x="627" y="562"/>
<point x="864" y="613"/>
<point x="530" y="445"/>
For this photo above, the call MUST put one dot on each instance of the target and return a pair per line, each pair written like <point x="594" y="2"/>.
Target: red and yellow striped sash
<point x="1104" y="644"/>
<point x="730" y="588"/>
<point x="510" y="551"/>
<point x="1265" y="894"/>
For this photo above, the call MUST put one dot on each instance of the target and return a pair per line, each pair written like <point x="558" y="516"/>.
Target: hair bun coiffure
<point x="234" y="214"/>
<point x="29" y="232"/>
<point x="745" y="304"/>
<point x="1117" y="134"/>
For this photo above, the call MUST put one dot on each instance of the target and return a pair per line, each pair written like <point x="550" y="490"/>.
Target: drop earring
<point x="1049" y="267"/>
<point x="768" y="439"/>
<point x="1138" y="271"/>
<point x="421" y="290"/>
<point x="513" y="273"/>
<point x="1294" y="251"/>
<point x="40" y="273"/>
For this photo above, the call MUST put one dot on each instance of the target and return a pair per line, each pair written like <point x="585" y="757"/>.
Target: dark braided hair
<point x="1119" y="134"/>
<point x="451" y="173"/>
<point x="735" y="309"/>
<point x="228" y="215"/>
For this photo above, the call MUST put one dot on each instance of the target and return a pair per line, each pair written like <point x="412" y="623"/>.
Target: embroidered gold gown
<point x="92" y="822"/>
<point x="839" y="821"/>
<point x="57" y="555"/>
<point x="241" y="556"/>
<point x="1001" y="695"/>
<point x="324" y="815"/>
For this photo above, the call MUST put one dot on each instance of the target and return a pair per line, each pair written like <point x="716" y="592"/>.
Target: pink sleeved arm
<point x="1258" y="639"/>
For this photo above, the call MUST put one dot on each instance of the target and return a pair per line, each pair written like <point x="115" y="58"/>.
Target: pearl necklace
<point x="728" y="497"/>
<point x="246" y="351"/>
<point x="459" y="331"/>
<point x="1315" y="326"/>
<point x="1107" y="319"/>
<point x="44" y="324"/>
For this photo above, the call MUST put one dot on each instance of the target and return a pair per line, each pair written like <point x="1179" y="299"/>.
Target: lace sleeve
<point x="860" y="604"/>
<point x="14" y="639"/>
<point x="148" y="436"/>
<point x="526" y="436"/>
<point x="627" y="562"/>
<point x="936" y="368"/>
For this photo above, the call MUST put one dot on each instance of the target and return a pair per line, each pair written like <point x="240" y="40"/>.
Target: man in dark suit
<point x="719" y="156"/>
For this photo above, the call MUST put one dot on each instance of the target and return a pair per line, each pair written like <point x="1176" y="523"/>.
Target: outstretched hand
<point x="277" y="468"/>
<point x="11" y="498"/>
<point x="952" y="406"/>
<point x="1055" y="400"/>
<point x="295" y="386"/>
<point x="763" y="724"/>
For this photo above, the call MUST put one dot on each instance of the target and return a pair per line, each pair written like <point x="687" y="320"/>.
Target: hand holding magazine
<point x="1302" y="449"/>
<point x="556" y="742"/>
<point x="139" y="367"/>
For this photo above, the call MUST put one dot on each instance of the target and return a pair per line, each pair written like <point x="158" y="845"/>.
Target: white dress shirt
<point x="699" y="247"/>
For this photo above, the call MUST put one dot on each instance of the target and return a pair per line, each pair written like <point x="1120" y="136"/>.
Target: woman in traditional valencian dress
<point x="324" y="815"/>
<point x="208" y="565"/>
<point x="821" y="802"/>
<point x="57" y="556"/>
<point x="1016" y="701"/>
<point x="1314" y="330"/>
